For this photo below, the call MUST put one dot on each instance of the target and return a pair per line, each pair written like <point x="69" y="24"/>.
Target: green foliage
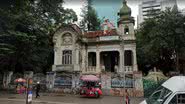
<point x="150" y="86"/>
<point x="161" y="38"/>
<point x="90" y="19"/>
<point x="26" y="29"/>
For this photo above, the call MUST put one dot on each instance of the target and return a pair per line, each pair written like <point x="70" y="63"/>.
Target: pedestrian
<point x="37" y="89"/>
<point x="18" y="89"/>
<point x="127" y="99"/>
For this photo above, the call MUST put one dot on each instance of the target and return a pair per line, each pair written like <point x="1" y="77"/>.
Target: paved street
<point x="63" y="99"/>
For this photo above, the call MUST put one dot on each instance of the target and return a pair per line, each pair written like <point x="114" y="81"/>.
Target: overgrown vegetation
<point x="161" y="41"/>
<point x="90" y="20"/>
<point x="26" y="30"/>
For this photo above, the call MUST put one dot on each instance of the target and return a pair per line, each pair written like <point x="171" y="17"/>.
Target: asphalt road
<point x="65" y="99"/>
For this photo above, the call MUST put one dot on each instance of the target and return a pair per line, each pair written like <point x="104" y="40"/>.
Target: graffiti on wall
<point x="63" y="81"/>
<point x="106" y="80"/>
<point x="75" y="80"/>
<point x="50" y="76"/>
<point x="39" y="77"/>
<point x="121" y="82"/>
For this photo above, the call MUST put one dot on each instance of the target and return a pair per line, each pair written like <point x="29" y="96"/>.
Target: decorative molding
<point x="67" y="38"/>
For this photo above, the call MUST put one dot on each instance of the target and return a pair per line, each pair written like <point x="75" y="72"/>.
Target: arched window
<point x="67" y="57"/>
<point x="126" y="30"/>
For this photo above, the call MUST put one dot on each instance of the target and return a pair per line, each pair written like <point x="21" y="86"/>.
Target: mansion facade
<point x="110" y="54"/>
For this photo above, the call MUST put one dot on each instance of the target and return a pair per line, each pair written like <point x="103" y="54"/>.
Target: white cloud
<point x="76" y="5"/>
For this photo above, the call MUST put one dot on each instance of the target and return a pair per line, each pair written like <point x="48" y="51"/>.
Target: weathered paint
<point x="63" y="81"/>
<point x="106" y="80"/>
<point x="50" y="77"/>
<point x="121" y="82"/>
<point x="69" y="83"/>
<point x="39" y="77"/>
<point x="119" y="90"/>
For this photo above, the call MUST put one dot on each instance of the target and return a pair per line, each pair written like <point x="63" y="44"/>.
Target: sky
<point x="109" y="8"/>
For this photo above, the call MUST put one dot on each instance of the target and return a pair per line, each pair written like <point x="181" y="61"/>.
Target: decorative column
<point x="7" y="78"/>
<point x="55" y="49"/>
<point x="98" y="61"/>
<point x="76" y="63"/>
<point x="83" y="59"/>
<point x="121" y="54"/>
<point x="120" y="61"/>
<point x="77" y="59"/>
<point x="134" y="60"/>
<point x="55" y="56"/>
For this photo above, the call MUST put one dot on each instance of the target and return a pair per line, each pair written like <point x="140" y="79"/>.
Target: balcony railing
<point x="64" y="68"/>
<point x="91" y="69"/>
<point x="128" y="69"/>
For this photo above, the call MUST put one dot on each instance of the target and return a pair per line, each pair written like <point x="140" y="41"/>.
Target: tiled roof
<point x="76" y="28"/>
<point x="93" y="34"/>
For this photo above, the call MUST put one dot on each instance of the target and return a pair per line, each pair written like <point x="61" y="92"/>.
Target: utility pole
<point x="28" y="91"/>
<point x="27" y="86"/>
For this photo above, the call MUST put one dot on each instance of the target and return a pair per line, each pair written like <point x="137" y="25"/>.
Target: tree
<point x="26" y="29"/>
<point x="90" y="20"/>
<point x="161" y="39"/>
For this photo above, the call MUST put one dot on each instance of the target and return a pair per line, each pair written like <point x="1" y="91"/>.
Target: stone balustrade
<point x="64" y="68"/>
<point x="128" y="69"/>
<point x="91" y="69"/>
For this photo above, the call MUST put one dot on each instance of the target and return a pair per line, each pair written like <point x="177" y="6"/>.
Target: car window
<point x="156" y="95"/>
<point x="159" y="96"/>
<point x="178" y="99"/>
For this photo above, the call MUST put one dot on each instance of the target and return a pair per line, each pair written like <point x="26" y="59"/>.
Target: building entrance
<point x="109" y="60"/>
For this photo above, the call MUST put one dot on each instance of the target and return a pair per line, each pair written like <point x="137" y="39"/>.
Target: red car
<point x="90" y="86"/>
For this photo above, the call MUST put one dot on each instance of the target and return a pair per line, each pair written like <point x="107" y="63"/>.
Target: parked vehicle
<point x="90" y="86"/>
<point x="171" y="91"/>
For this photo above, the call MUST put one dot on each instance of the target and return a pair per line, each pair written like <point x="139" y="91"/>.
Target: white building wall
<point x="153" y="4"/>
<point x="183" y="11"/>
<point x="66" y="40"/>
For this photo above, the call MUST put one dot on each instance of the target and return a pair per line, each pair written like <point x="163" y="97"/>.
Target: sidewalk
<point x="21" y="99"/>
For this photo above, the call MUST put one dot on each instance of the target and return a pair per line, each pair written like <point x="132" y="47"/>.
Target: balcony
<point x="69" y="68"/>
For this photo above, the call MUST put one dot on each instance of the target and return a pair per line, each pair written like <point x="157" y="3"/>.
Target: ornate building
<point x="109" y="54"/>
